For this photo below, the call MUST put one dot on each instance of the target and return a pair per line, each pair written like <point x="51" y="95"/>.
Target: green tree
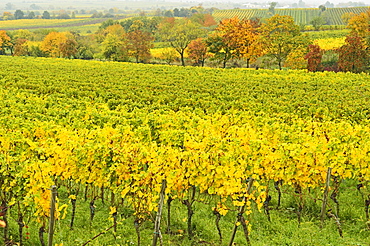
<point x="113" y="47"/>
<point x="220" y="49"/>
<point x="64" y="16"/>
<point x="279" y="36"/>
<point x="272" y="7"/>
<point x="317" y="22"/>
<point x="31" y="15"/>
<point x="179" y="34"/>
<point x="9" y="6"/>
<point x="322" y="8"/>
<point x="46" y="15"/>
<point x="18" y="14"/>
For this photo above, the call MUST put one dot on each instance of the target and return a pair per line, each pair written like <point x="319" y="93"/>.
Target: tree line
<point x="274" y="42"/>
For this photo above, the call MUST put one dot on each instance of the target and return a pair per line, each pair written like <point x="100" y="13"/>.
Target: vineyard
<point x="225" y="144"/>
<point x="301" y="16"/>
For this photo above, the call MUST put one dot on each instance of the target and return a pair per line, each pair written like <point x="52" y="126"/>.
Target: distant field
<point x="84" y="30"/>
<point x="52" y="23"/>
<point x="301" y="16"/>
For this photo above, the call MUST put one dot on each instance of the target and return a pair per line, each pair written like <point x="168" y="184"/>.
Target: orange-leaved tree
<point x="244" y="36"/>
<point x="236" y="38"/>
<point x="4" y="42"/>
<point x="205" y="20"/>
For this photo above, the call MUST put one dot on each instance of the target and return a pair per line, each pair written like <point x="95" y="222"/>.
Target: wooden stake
<point x="52" y="214"/>
<point x="157" y="224"/>
<point x="325" y="198"/>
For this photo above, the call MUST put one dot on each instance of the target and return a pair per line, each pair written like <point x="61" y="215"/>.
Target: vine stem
<point x="240" y="215"/>
<point x="98" y="235"/>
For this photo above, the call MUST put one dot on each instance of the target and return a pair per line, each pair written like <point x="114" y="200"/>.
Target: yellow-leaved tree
<point x="59" y="44"/>
<point x="360" y="26"/>
<point x="281" y="36"/>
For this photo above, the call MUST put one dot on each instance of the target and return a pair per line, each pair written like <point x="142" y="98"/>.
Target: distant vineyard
<point x="46" y="23"/>
<point x="301" y="16"/>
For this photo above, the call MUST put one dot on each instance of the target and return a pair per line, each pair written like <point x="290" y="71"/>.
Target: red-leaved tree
<point x="314" y="57"/>
<point x="353" y="56"/>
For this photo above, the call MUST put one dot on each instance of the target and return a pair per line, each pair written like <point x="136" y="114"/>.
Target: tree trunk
<point x="182" y="58"/>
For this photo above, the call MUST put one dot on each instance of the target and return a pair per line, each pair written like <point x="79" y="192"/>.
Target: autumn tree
<point x="346" y="17"/>
<point x="360" y="26"/>
<point x="5" y="42"/>
<point x="314" y="57"/>
<point x="23" y="34"/>
<point x="68" y="49"/>
<point x="243" y="37"/>
<point x="353" y="56"/>
<point x="198" y="51"/>
<point x="296" y="58"/>
<point x="7" y="16"/>
<point x="179" y="34"/>
<point x="139" y="42"/>
<point x="280" y="36"/>
<point x="115" y="29"/>
<point x="168" y="55"/>
<point x="205" y="20"/>
<point x="59" y="44"/>
<point x="20" y="47"/>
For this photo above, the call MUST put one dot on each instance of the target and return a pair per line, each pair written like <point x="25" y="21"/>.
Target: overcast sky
<point x="168" y="4"/>
<point x="288" y="1"/>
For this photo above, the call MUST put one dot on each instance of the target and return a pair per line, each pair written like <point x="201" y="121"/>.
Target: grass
<point x="283" y="229"/>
